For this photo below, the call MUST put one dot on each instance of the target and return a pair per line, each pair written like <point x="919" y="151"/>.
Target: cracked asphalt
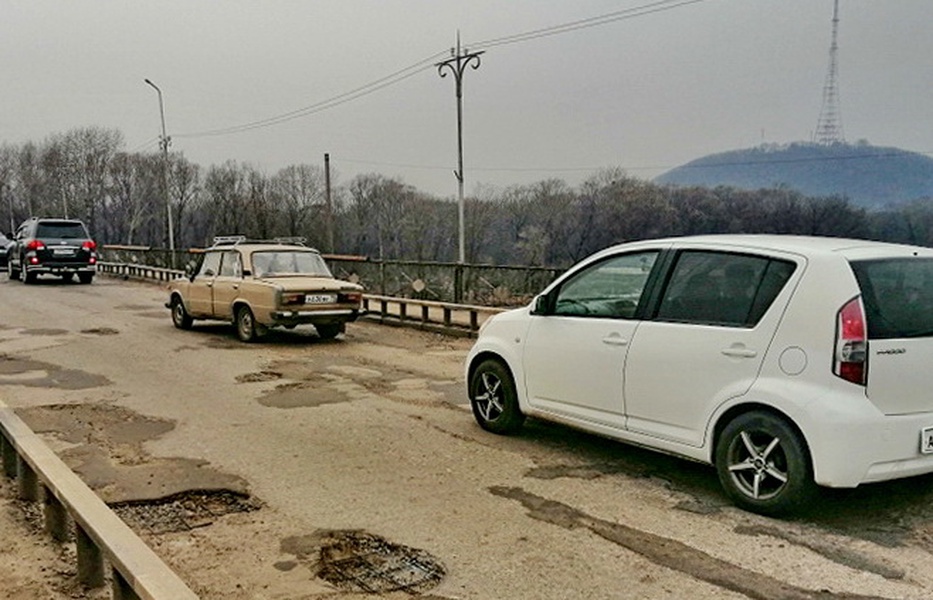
<point x="370" y="433"/>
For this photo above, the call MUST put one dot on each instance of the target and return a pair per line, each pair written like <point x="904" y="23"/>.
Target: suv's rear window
<point x="898" y="296"/>
<point x="60" y="230"/>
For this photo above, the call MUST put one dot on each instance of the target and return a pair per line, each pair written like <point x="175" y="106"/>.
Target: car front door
<point x="575" y="351"/>
<point x="201" y="290"/>
<point x="714" y="323"/>
<point x="227" y="284"/>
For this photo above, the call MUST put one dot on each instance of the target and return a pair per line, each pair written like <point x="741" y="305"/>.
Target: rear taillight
<point x="89" y="245"/>
<point x="34" y="245"/>
<point x="850" y="357"/>
<point x="350" y="297"/>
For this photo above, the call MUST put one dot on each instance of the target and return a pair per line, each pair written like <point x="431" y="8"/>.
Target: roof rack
<point x="234" y="240"/>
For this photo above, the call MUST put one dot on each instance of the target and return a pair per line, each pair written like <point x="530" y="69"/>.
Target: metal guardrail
<point x="101" y="537"/>
<point x="389" y="310"/>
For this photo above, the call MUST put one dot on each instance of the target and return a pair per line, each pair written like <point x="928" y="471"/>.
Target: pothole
<point x="357" y="561"/>
<point x="257" y="377"/>
<point x="100" y="331"/>
<point x="183" y="511"/>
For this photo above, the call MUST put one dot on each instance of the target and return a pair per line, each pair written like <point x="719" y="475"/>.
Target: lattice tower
<point x="829" y="126"/>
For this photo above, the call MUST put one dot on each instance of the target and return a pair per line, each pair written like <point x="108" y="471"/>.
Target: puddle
<point x="257" y="377"/>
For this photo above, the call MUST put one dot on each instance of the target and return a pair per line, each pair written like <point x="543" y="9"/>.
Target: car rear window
<point x="60" y="230"/>
<point x="898" y="296"/>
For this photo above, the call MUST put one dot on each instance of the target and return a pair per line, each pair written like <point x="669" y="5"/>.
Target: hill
<point x="869" y="176"/>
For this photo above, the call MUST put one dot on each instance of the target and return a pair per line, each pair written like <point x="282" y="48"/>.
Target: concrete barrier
<point x="101" y="537"/>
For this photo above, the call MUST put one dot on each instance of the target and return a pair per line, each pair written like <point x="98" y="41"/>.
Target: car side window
<point x="230" y="265"/>
<point x="718" y="288"/>
<point x="210" y="266"/>
<point x="611" y="288"/>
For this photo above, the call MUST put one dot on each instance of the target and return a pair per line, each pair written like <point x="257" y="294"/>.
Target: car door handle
<point x="614" y="339"/>
<point x="739" y="352"/>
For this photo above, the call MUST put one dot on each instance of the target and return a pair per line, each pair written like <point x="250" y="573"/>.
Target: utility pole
<point x="164" y="142"/>
<point x="328" y="205"/>
<point x="457" y="64"/>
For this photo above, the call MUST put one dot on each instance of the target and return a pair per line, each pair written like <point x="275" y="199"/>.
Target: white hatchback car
<point x="787" y="362"/>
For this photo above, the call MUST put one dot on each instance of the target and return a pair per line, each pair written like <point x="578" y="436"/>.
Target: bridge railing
<point x="101" y="537"/>
<point x="447" y="317"/>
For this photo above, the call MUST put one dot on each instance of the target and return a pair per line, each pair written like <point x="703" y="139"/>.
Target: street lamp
<point x="457" y="65"/>
<point x="164" y="141"/>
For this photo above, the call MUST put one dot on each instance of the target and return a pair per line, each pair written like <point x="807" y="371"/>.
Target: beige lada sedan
<point x="260" y="285"/>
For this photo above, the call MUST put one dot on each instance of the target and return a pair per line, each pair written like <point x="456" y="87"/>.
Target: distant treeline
<point x="85" y="173"/>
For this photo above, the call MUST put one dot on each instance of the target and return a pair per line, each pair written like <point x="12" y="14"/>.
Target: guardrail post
<point x="120" y="589"/>
<point x="474" y="320"/>
<point x="425" y="313"/>
<point x="56" y="516"/>
<point x="90" y="560"/>
<point x="9" y="457"/>
<point x="447" y="316"/>
<point x="384" y="310"/>
<point x="28" y="483"/>
<point x="458" y="284"/>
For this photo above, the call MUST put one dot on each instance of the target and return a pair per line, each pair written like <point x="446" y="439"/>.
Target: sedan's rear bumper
<point x="312" y="317"/>
<point x="59" y="268"/>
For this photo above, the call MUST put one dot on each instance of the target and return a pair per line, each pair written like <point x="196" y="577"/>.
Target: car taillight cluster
<point x="33" y="245"/>
<point x="89" y="245"/>
<point x="347" y="297"/>
<point x="850" y="356"/>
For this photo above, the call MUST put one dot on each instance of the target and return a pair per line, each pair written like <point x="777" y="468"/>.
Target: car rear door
<point x="897" y="294"/>
<point x="574" y="354"/>
<point x="714" y="322"/>
<point x="201" y="291"/>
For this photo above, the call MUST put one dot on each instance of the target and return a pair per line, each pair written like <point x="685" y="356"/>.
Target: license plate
<point x="328" y="299"/>
<point x="926" y="440"/>
<point x="63" y="251"/>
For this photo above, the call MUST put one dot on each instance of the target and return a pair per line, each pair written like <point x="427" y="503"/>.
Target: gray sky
<point x="646" y="93"/>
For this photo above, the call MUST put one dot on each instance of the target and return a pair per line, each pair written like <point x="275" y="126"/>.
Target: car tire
<point x="494" y="399"/>
<point x="764" y="465"/>
<point x="246" y="327"/>
<point x="85" y="278"/>
<point x="329" y="331"/>
<point x="180" y="317"/>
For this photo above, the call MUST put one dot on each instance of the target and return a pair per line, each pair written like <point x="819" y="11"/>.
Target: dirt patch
<point x="34" y="373"/>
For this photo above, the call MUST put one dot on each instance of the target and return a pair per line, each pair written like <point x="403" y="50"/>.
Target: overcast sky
<point x="645" y="93"/>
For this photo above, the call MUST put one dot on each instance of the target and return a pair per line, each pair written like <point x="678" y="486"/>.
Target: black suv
<point x="54" y="246"/>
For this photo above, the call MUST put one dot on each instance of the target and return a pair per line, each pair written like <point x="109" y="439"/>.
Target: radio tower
<point x="829" y="127"/>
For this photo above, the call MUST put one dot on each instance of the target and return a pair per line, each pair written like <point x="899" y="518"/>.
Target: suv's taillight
<point x="89" y="245"/>
<point x="34" y="245"/>
<point x="850" y="356"/>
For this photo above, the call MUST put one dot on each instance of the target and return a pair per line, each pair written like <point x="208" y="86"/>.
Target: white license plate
<point x="63" y="251"/>
<point x="320" y="299"/>
<point x="926" y="440"/>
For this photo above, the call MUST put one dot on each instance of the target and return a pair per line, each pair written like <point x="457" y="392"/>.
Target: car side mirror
<point x="540" y="305"/>
<point x="189" y="270"/>
<point x="247" y="272"/>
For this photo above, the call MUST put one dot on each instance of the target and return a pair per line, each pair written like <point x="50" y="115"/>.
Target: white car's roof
<point x="800" y="244"/>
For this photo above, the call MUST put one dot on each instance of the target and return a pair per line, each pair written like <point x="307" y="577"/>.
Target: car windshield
<point x="288" y="262"/>
<point x="60" y="230"/>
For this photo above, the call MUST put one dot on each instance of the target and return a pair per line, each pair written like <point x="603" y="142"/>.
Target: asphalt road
<point x="309" y="469"/>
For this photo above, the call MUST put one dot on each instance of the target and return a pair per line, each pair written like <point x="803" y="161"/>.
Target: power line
<point x="428" y="62"/>
<point x="629" y="13"/>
